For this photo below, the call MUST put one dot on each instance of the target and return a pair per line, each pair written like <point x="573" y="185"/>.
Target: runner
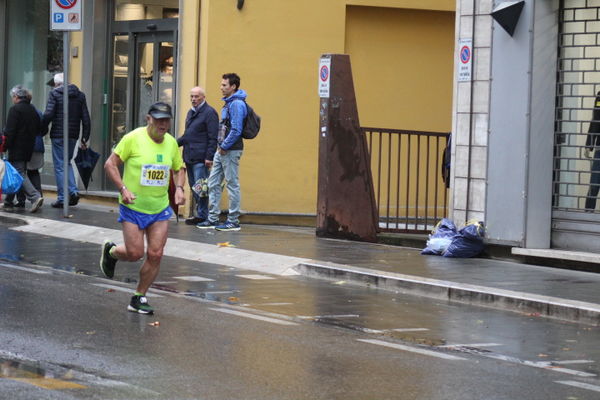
<point x="148" y="154"/>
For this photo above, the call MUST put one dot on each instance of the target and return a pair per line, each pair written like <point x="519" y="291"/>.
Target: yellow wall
<point x="275" y="47"/>
<point x="402" y="61"/>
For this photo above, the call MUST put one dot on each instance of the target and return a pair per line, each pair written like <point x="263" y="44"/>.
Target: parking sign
<point x="65" y="15"/>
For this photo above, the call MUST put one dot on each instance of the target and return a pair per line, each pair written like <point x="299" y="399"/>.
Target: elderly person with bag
<point x="23" y="124"/>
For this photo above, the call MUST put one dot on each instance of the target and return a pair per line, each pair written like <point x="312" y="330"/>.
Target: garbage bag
<point x="440" y="238"/>
<point x="12" y="180"/>
<point x="468" y="242"/>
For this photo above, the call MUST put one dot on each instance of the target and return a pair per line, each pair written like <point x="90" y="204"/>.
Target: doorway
<point x="143" y="72"/>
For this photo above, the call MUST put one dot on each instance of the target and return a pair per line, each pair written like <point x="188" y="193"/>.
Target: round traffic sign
<point x="465" y="54"/>
<point x="66" y="4"/>
<point x="324" y="73"/>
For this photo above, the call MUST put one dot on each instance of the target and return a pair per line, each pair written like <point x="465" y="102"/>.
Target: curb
<point x="537" y="305"/>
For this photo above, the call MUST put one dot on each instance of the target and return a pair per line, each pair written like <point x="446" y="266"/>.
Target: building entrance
<point x="576" y="213"/>
<point x="143" y="72"/>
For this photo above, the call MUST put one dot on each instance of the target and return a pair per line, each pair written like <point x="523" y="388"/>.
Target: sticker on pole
<point x="65" y="15"/>
<point x="465" y="60"/>
<point x="324" y="77"/>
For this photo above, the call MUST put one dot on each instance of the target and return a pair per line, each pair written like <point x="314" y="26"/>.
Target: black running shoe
<point x="139" y="304"/>
<point x="107" y="262"/>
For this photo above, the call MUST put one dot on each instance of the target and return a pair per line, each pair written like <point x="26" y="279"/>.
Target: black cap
<point x="160" y="110"/>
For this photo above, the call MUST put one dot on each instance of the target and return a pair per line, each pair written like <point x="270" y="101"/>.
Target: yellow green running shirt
<point x="146" y="170"/>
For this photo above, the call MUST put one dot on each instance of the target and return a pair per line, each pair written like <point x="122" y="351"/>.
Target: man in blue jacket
<point x="226" y="162"/>
<point x="79" y="116"/>
<point x="199" y="143"/>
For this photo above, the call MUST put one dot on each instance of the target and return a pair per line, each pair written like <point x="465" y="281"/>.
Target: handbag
<point x="12" y="180"/>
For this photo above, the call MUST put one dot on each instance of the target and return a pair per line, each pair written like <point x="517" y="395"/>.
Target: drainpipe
<point x="471" y="112"/>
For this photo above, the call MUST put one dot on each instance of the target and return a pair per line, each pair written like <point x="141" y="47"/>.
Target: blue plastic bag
<point x="468" y="242"/>
<point x="12" y="180"/>
<point x="441" y="237"/>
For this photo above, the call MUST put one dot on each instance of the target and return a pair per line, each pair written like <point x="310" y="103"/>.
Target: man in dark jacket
<point x="79" y="116"/>
<point x="22" y="126"/>
<point x="199" y="143"/>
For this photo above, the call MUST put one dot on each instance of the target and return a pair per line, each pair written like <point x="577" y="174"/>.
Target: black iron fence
<point x="407" y="177"/>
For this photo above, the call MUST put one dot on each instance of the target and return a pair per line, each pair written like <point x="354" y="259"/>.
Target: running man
<point x="148" y="154"/>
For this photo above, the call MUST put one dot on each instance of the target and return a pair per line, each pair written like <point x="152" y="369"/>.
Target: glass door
<point x="143" y="73"/>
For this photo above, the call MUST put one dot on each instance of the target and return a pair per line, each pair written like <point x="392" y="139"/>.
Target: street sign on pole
<point x="65" y="15"/>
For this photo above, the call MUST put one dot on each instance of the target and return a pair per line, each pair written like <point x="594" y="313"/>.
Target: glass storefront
<point x="33" y="56"/>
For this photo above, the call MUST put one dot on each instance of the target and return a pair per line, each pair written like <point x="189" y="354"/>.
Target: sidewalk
<point x="557" y="293"/>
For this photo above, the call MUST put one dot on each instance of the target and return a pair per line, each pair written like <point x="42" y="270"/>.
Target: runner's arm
<point x="111" y="167"/>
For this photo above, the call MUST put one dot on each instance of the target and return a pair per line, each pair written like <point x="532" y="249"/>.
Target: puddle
<point x="44" y="376"/>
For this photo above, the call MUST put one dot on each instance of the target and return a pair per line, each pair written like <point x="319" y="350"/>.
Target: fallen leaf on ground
<point x="233" y="298"/>
<point x="542" y="355"/>
<point x="155" y="323"/>
<point x="90" y="333"/>
<point x="225" y="244"/>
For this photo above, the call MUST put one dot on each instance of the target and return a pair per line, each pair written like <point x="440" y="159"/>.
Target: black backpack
<point x="251" y="123"/>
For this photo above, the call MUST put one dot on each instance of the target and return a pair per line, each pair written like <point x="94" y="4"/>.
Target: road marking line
<point x="122" y="289"/>
<point x="194" y="278"/>
<point x="329" y="316"/>
<point x="470" y="345"/>
<point x="536" y="364"/>
<point x="255" y="276"/>
<point x="35" y="271"/>
<point x="580" y="385"/>
<point x="49" y="383"/>
<point x="252" y="316"/>
<point x="572" y="362"/>
<point x="412" y="349"/>
<point x="409" y="330"/>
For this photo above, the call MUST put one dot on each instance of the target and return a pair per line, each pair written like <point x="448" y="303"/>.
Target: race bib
<point x="155" y="175"/>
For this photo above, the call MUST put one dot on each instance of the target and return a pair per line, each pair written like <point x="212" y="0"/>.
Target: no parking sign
<point x="465" y="60"/>
<point x="65" y="15"/>
<point x="324" y="75"/>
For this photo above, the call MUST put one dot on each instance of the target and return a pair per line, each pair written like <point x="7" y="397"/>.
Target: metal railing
<point x="406" y="168"/>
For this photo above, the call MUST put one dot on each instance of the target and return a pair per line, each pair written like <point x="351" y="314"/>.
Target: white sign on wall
<point x="324" y="76"/>
<point x="465" y="60"/>
<point x="65" y="15"/>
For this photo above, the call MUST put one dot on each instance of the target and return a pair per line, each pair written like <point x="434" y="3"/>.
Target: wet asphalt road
<point x="225" y="333"/>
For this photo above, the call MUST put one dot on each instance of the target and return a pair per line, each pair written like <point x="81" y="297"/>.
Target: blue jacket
<point x="78" y="113"/>
<point x="234" y="111"/>
<point x="199" y="140"/>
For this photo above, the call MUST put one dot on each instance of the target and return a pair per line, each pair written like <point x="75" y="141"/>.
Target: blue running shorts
<point x="143" y="220"/>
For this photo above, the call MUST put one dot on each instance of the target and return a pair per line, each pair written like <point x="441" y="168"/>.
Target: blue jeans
<point x="57" y="159"/>
<point x="226" y="166"/>
<point x="195" y="172"/>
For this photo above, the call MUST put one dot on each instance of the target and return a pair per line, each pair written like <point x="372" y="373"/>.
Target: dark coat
<point x="199" y="140"/>
<point x="23" y="124"/>
<point x="593" y="139"/>
<point x="78" y="113"/>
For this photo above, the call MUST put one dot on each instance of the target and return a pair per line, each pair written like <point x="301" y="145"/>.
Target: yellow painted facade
<point x="402" y="62"/>
<point x="401" y="53"/>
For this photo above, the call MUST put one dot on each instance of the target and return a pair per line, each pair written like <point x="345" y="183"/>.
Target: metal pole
<point x="66" y="160"/>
